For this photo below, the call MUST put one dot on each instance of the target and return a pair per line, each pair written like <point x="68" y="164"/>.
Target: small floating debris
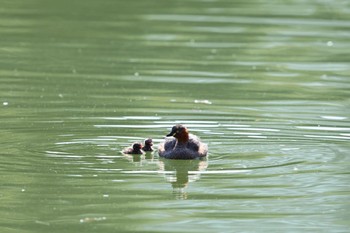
<point x="330" y="43"/>
<point x="95" y="219"/>
<point x="202" y="102"/>
<point x="5" y="103"/>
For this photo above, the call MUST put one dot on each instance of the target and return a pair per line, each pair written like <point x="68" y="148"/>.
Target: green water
<point x="265" y="83"/>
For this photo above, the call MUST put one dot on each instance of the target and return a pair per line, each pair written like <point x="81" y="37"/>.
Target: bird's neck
<point x="183" y="138"/>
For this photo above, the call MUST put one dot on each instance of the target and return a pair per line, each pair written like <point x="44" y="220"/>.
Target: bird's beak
<point x="172" y="133"/>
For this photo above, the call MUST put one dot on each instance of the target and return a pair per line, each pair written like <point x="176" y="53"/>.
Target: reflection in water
<point x="134" y="158"/>
<point x="177" y="172"/>
<point x="180" y="174"/>
<point x="141" y="160"/>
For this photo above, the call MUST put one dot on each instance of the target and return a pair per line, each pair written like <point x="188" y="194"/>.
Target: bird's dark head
<point x="180" y="132"/>
<point x="149" y="142"/>
<point x="136" y="146"/>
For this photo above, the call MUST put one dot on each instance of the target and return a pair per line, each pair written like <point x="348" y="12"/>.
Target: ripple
<point x="324" y="128"/>
<point x="327" y="137"/>
<point x="154" y="126"/>
<point x="137" y="118"/>
<point x="220" y="172"/>
<point x="99" y="141"/>
<point x="247" y="20"/>
<point x="336" y="118"/>
<point x="319" y="67"/>
<point x="192" y="73"/>
<point x="149" y="172"/>
<point x="58" y="154"/>
<point x="131" y="126"/>
<point x="256" y="136"/>
<point x="256" y="129"/>
<point x="224" y="30"/>
<point x="101" y="169"/>
<point x="188" y="79"/>
<point x="192" y="123"/>
<point x="246" y="133"/>
<point x="290" y="148"/>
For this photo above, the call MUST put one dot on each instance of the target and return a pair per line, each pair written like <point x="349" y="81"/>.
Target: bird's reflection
<point x="140" y="160"/>
<point x="178" y="173"/>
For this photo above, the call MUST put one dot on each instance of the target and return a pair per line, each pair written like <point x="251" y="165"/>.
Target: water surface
<point x="265" y="84"/>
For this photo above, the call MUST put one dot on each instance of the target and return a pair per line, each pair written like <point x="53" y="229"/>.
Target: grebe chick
<point x="148" y="145"/>
<point x="136" y="148"/>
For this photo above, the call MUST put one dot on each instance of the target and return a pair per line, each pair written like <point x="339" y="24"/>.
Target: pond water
<point x="265" y="83"/>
